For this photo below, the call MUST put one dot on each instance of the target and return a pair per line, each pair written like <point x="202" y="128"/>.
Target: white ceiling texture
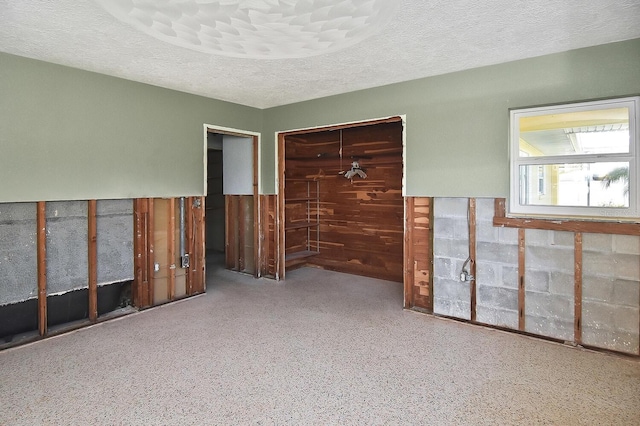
<point x="266" y="53"/>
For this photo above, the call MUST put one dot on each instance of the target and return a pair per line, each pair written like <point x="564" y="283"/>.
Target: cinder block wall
<point x="18" y="262"/>
<point x="496" y="269"/>
<point x="611" y="278"/>
<point x="611" y="291"/>
<point x="450" y="249"/>
<point x="549" y="283"/>
<point x="67" y="256"/>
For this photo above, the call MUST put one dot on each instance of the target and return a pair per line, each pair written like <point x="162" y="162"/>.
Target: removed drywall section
<point x="18" y="266"/>
<point x="66" y="246"/>
<point x="497" y="269"/>
<point x="549" y="283"/>
<point x="611" y="291"/>
<point x="115" y="240"/>
<point x="451" y="297"/>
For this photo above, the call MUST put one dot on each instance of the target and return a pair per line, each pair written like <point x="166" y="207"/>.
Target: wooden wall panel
<point x="361" y="220"/>
<point x="268" y="236"/>
<point x="418" y="252"/>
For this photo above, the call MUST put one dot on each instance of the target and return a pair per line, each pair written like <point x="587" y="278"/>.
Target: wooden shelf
<point x="301" y="225"/>
<point x="300" y="255"/>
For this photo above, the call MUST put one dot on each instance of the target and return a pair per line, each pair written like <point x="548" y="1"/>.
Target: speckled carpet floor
<point x="322" y="348"/>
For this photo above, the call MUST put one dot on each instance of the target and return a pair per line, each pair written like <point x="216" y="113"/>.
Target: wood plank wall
<point x="268" y="236"/>
<point x="419" y="254"/>
<point x="361" y="220"/>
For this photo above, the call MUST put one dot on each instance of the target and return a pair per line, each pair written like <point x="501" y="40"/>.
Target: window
<point x="576" y="160"/>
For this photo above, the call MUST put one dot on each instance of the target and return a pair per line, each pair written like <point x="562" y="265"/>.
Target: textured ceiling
<point x="420" y="39"/>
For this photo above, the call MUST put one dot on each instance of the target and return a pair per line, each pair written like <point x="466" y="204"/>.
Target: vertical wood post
<point x="41" y="224"/>
<point x="521" y="283"/>
<point x="92" y="237"/>
<point x="190" y="243"/>
<point x="150" y="251"/>
<point x="242" y="207"/>
<point x="472" y="255"/>
<point x="171" y="249"/>
<point x="577" y="315"/>
<point x="409" y="261"/>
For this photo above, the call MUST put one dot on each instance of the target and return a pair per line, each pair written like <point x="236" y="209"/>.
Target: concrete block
<point x="66" y="254"/>
<point x="563" y="239"/>
<point x="538" y="237"/>
<point x="597" y="264"/>
<point x="498" y="297"/>
<point x="18" y="265"/>
<point x="627" y="266"/>
<point x="626" y="244"/>
<point x="450" y="248"/>
<point x="617" y="341"/>
<point x="443" y="268"/>
<point x="627" y="318"/>
<point x="598" y="315"/>
<point x="488" y="274"/>
<point x="537" y="281"/>
<point x="485" y="209"/>
<point x="15" y="212"/>
<point x="66" y="209"/>
<point x="498" y="253"/>
<point x="557" y="328"/>
<point x="498" y="317"/>
<point x="115" y="248"/>
<point x="111" y="207"/>
<point x="450" y="207"/>
<point x="561" y="283"/>
<point x="455" y="308"/>
<point x="626" y="293"/>
<point x="549" y="258"/>
<point x="443" y="227"/>
<point x="624" y="266"/>
<point x="597" y="242"/>
<point x="508" y="236"/>
<point x="486" y="232"/>
<point x="510" y="276"/>
<point x="451" y="290"/>
<point x="597" y="288"/>
<point x="545" y="305"/>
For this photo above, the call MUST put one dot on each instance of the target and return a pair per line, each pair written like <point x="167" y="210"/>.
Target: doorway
<point x="232" y="200"/>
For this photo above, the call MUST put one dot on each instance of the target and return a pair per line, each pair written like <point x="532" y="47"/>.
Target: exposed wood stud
<point x="140" y="252"/>
<point x="92" y="236"/>
<point x="256" y="212"/>
<point x="200" y="249"/>
<point x="408" y="253"/>
<point x="500" y="209"/>
<point x="150" y="250"/>
<point x="240" y="235"/>
<point x="280" y="222"/>
<point x="577" y="316"/>
<point x="569" y="225"/>
<point x="171" y="249"/>
<point x="521" y="279"/>
<point x="472" y="255"/>
<point x="41" y="224"/>
<point x="190" y="246"/>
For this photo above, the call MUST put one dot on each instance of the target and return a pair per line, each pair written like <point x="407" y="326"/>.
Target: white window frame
<point x="630" y="213"/>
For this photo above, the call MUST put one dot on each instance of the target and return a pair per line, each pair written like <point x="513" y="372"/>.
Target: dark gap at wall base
<point x="22" y="317"/>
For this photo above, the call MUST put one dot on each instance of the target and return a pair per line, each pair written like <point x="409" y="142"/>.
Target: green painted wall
<point x="457" y="124"/>
<point x="68" y="134"/>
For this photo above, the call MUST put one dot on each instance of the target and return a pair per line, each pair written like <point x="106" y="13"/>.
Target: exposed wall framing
<point x="418" y="254"/>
